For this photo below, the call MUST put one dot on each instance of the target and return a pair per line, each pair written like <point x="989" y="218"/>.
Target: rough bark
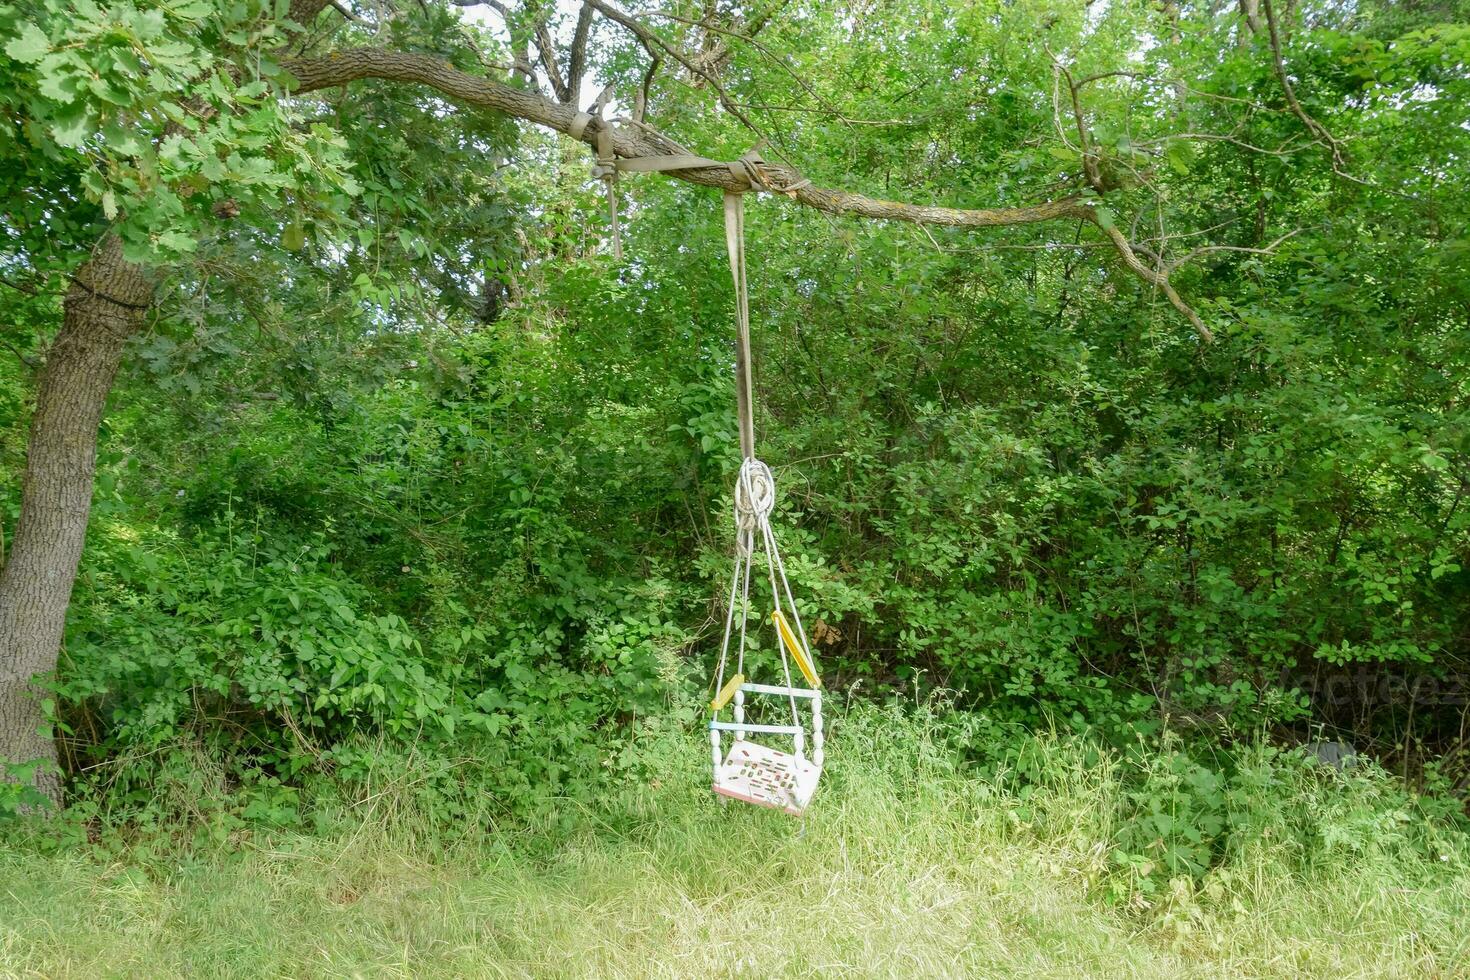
<point x="103" y="307"/>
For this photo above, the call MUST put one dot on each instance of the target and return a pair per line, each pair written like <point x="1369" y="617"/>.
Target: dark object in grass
<point x="1338" y="755"/>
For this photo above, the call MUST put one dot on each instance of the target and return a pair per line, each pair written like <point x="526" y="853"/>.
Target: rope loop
<point x="755" y="495"/>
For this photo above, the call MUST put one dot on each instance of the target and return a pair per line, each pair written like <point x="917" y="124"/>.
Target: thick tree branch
<point x="547" y="49"/>
<point x="577" y="60"/>
<point x="304" y="11"/>
<point x="356" y="64"/>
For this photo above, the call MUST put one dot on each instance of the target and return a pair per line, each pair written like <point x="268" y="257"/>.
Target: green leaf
<point x="30" y="46"/>
<point x="1179" y="155"/>
<point x="177" y="241"/>
<point x="74" y="128"/>
<point x="59" y="79"/>
<point x="1434" y="460"/>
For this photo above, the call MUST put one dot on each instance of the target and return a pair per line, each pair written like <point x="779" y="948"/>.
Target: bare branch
<point x="1090" y="166"/>
<point x="1157" y="275"/>
<point x="717" y="53"/>
<point x="521" y="59"/>
<point x="763" y="49"/>
<point x="640" y="101"/>
<point x="577" y="60"/>
<point x="1207" y="249"/>
<point x="1284" y="150"/>
<point x="650" y="40"/>
<point x="21" y="287"/>
<point x="30" y="363"/>
<point x="763" y="17"/>
<point x="335" y="5"/>
<point x="810" y="110"/>
<point x="547" y="49"/>
<point x="1250" y="13"/>
<point x="1153" y="277"/>
<point x="1334" y="147"/>
<point x="1099" y="76"/>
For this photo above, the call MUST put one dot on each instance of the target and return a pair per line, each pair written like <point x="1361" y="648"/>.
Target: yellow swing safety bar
<point x="727" y="692"/>
<point x="803" y="660"/>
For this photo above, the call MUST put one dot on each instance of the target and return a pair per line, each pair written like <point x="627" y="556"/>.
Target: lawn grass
<point x="907" y="866"/>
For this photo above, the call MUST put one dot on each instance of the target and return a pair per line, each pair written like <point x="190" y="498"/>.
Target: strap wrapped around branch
<point x="748" y="168"/>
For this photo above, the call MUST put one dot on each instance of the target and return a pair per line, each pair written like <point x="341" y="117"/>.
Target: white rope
<point x="729" y="624"/>
<point x="755" y="499"/>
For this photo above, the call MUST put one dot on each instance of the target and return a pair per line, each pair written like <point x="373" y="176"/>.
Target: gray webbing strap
<point x="746" y="169"/>
<point x="671" y="161"/>
<point x="607" y="169"/>
<point x="735" y="245"/>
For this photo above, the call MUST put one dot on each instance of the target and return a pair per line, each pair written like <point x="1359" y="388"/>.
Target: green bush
<point x="256" y="653"/>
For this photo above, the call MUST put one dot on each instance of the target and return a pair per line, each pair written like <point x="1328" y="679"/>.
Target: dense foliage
<point x="407" y="465"/>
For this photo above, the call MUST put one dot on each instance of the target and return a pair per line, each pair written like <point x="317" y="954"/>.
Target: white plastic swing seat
<point x="766" y="777"/>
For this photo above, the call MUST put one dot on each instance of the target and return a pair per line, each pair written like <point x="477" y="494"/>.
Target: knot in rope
<point x="749" y="170"/>
<point x="606" y="168"/>
<point x="755" y="495"/>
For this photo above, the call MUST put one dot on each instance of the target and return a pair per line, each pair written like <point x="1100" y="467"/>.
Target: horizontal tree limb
<point x="356" y="64"/>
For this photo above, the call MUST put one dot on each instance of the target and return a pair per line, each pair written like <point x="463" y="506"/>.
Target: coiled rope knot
<point x="755" y="497"/>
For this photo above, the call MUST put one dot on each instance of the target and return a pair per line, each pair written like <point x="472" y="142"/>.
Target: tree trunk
<point x="103" y="308"/>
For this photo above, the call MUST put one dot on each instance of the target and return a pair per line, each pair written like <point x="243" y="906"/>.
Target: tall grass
<point x="910" y="863"/>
